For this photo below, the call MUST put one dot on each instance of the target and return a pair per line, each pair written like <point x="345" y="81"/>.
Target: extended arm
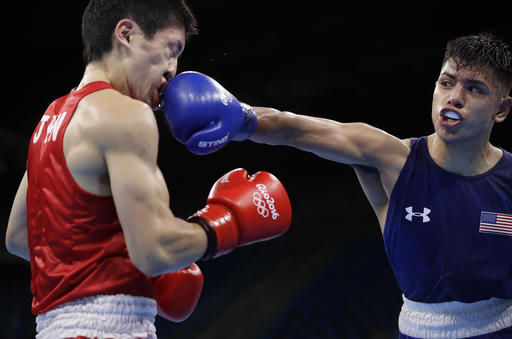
<point x="348" y="143"/>
<point x="205" y="116"/>
<point x="377" y="156"/>
<point x="206" y="126"/>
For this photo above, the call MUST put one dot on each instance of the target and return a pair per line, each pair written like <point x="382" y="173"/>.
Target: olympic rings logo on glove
<point x="257" y="200"/>
<point x="260" y="204"/>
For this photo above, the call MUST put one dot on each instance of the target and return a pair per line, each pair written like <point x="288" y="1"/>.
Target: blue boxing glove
<point x="203" y="115"/>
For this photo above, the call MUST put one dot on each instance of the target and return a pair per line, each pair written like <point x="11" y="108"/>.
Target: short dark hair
<point x="483" y="50"/>
<point x="101" y="17"/>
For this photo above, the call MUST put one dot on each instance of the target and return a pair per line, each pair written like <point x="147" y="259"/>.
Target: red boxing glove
<point x="243" y="209"/>
<point x="177" y="293"/>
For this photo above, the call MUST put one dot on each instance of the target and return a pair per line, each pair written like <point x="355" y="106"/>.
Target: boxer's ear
<point x="503" y="109"/>
<point x="124" y="30"/>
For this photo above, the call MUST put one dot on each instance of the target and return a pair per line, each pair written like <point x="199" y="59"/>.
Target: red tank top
<point x="76" y="243"/>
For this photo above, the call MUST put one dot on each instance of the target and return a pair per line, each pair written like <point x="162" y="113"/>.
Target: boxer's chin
<point x="155" y="101"/>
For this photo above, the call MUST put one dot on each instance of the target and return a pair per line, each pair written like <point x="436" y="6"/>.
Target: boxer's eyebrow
<point x="449" y="75"/>
<point x="468" y="81"/>
<point x="473" y="79"/>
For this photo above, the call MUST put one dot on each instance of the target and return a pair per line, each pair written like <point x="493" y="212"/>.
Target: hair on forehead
<point x="482" y="51"/>
<point x="101" y="17"/>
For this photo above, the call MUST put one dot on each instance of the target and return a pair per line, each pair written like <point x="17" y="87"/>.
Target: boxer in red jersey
<point x="92" y="211"/>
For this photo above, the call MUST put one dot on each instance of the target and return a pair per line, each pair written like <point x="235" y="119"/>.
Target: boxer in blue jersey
<point x="443" y="201"/>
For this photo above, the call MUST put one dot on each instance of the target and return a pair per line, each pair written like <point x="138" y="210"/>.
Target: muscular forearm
<point x="304" y="132"/>
<point x="166" y="244"/>
<point x="177" y="247"/>
<point x="275" y="127"/>
<point x="348" y="143"/>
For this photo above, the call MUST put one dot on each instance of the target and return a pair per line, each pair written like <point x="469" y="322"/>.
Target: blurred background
<point x="328" y="276"/>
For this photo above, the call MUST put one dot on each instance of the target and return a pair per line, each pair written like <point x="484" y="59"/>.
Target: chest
<point x="440" y="225"/>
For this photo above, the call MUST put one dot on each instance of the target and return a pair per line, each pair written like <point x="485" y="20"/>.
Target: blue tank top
<point x="449" y="237"/>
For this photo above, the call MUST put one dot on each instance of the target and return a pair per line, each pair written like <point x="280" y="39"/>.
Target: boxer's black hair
<point x="101" y="17"/>
<point x="481" y="51"/>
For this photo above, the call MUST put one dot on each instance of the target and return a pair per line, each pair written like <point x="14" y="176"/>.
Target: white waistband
<point x="102" y="316"/>
<point x="454" y="319"/>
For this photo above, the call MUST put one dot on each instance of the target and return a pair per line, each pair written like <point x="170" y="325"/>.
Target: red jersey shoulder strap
<point x="78" y="94"/>
<point x="92" y="87"/>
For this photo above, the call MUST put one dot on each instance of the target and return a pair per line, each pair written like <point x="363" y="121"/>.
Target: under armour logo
<point x="411" y="214"/>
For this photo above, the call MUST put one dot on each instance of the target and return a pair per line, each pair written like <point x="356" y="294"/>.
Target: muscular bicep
<point x="130" y="147"/>
<point x="16" y="238"/>
<point x="140" y="196"/>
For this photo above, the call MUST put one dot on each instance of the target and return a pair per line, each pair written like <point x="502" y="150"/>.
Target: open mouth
<point x="450" y="118"/>
<point x="155" y="100"/>
<point x="157" y="97"/>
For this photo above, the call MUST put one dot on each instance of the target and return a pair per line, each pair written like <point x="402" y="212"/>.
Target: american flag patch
<point x="497" y="223"/>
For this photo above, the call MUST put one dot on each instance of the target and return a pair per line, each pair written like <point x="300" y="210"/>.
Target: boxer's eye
<point x="175" y="48"/>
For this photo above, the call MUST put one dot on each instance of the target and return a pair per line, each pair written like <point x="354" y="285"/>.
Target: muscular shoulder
<point x="380" y="149"/>
<point x="379" y="143"/>
<point x="117" y="122"/>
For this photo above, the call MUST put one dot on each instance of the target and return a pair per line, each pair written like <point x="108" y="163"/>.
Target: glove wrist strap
<point x="220" y="227"/>
<point x="249" y="125"/>
<point x="211" y="248"/>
